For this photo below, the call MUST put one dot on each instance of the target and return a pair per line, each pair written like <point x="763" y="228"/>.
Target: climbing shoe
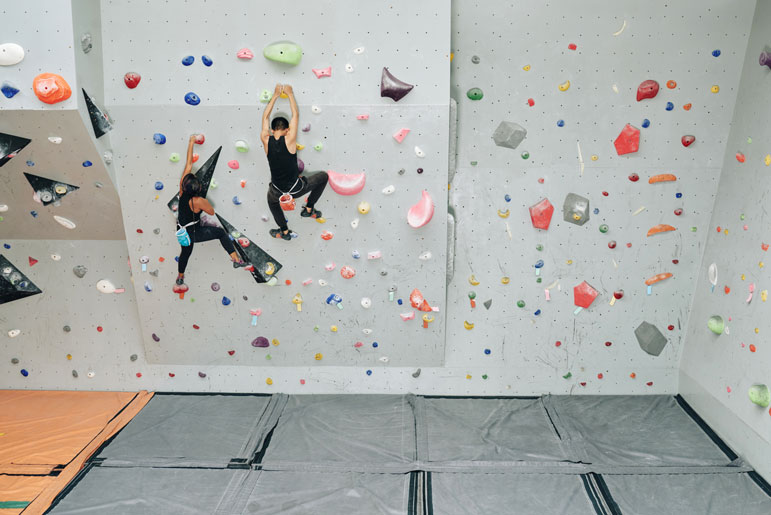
<point x="314" y="213"/>
<point x="277" y="233"/>
<point x="180" y="281"/>
<point x="240" y="264"/>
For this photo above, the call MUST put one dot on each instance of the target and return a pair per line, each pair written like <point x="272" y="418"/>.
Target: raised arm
<point x="189" y="162"/>
<point x="265" y="133"/>
<point x="291" y="137"/>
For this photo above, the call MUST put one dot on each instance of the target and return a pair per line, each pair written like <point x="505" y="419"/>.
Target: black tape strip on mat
<point x="762" y="483"/>
<point x="428" y="501"/>
<point x="224" y="394"/>
<point x="705" y="427"/>
<point x="610" y="503"/>
<point x="593" y="495"/>
<point x="412" y="498"/>
<point x="72" y="484"/>
<point x="498" y="397"/>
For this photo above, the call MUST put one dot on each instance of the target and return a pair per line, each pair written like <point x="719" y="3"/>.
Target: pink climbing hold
<point x="244" y="53"/>
<point x="362" y="117"/>
<point x="323" y="72"/>
<point x="541" y="213"/>
<point x="422" y="212"/>
<point x="233" y="165"/>
<point x="647" y="89"/>
<point x="584" y="295"/>
<point x="132" y="80"/>
<point x="346" y="184"/>
<point x="401" y="134"/>
<point x="628" y="140"/>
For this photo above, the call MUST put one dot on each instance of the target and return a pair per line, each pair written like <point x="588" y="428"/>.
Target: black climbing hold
<point x="14" y="285"/>
<point x="11" y="145"/>
<point x="204" y="174"/>
<point x="99" y="120"/>
<point x="264" y="265"/>
<point x="49" y="190"/>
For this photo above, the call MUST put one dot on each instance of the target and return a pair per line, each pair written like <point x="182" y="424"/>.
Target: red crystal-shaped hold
<point x="541" y="214"/>
<point x="687" y="140"/>
<point x="647" y="89"/>
<point x="132" y="80"/>
<point x="584" y="295"/>
<point x="628" y="140"/>
<point x="32" y="261"/>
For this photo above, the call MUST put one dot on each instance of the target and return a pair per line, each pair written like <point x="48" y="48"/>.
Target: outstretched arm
<point x="265" y="133"/>
<point x="291" y="137"/>
<point x="189" y="162"/>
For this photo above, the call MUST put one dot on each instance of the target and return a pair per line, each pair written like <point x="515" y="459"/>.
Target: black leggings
<point x="314" y="183"/>
<point x="199" y="233"/>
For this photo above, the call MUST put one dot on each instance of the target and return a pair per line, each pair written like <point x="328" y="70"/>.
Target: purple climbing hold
<point x="155" y="338"/>
<point x="392" y="87"/>
<point x="201" y="374"/>
<point x="765" y="59"/>
<point x="215" y="286"/>
<point x="300" y="165"/>
<point x="261" y="342"/>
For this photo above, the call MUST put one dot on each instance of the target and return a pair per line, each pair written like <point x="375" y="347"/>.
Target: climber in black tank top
<point x="286" y="181"/>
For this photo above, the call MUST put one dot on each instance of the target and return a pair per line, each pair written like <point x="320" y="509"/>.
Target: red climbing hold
<point x="140" y="231"/>
<point x="740" y="157"/>
<point x="628" y="140"/>
<point x="541" y="213"/>
<point x="231" y="352"/>
<point x="572" y="46"/>
<point x="649" y="383"/>
<point x="172" y="375"/>
<point x="671" y="327"/>
<point x="583" y="383"/>
<point x="132" y="80"/>
<point x="687" y="140"/>
<point x="195" y="327"/>
<point x="139" y="374"/>
<point x="647" y="89"/>
<point x="605" y="193"/>
<point x="557" y="343"/>
<point x="584" y="295"/>
<point x="99" y="328"/>
<point x="32" y="261"/>
<point x="199" y="139"/>
<point x="675" y="261"/>
<point x="530" y="102"/>
<point x="634" y="177"/>
<point x="599" y="376"/>
<point x="608" y="344"/>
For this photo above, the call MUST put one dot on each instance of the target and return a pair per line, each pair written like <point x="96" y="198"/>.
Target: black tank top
<point x="185" y="215"/>
<point x="283" y="164"/>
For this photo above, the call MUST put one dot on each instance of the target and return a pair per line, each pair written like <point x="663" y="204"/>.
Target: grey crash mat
<point x="323" y="493"/>
<point x="643" y="430"/>
<point x="486" y="430"/>
<point x="190" y="430"/>
<point x="351" y="429"/>
<point x="140" y="491"/>
<point x="679" y="494"/>
<point x="512" y="494"/>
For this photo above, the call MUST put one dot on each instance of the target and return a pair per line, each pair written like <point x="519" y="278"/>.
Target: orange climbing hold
<point x="671" y="84"/>
<point x="656" y="278"/>
<point x="687" y="106"/>
<point x="51" y="88"/>
<point x="660" y="228"/>
<point x="663" y="177"/>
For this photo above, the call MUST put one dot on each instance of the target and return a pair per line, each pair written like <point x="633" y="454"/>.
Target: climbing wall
<point x="719" y="368"/>
<point x="215" y="322"/>
<point x="568" y="74"/>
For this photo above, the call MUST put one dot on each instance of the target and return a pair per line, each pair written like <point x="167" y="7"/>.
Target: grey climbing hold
<point x="575" y="209"/>
<point x="80" y="271"/>
<point x="15" y="361"/>
<point x="133" y="357"/>
<point x="67" y="329"/>
<point x="86" y="43"/>
<point x="416" y="373"/>
<point x="488" y="303"/>
<point x="157" y="230"/>
<point x="650" y="338"/>
<point x="475" y="59"/>
<point x="383" y="272"/>
<point x="74" y="373"/>
<point x="509" y="135"/>
<point x="154" y="273"/>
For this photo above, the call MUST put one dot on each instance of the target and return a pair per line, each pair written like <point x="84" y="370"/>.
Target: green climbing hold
<point x="539" y="280"/>
<point x="567" y="376"/>
<point x="693" y="229"/>
<point x="475" y="94"/>
<point x="283" y="52"/>
<point x="520" y="303"/>
<point x="539" y="247"/>
<point x="716" y="324"/>
<point x="742" y="217"/>
<point x="760" y="395"/>
<point x="174" y="157"/>
<point x="484" y="376"/>
<point x="265" y="96"/>
<point x="603" y="228"/>
<point x="318" y="146"/>
<point x="525" y="155"/>
<point x="242" y="146"/>
<point x="473" y="163"/>
<point x="267" y="356"/>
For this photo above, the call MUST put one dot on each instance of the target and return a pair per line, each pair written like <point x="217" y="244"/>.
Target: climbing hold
<point x="188" y="60"/>
<point x="244" y="53"/>
<point x="520" y="303"/>
<point x="584" y="294"/>
<point x="509" y="135"/>
<point x="687" y="140"/>
<point x="401" y="134"/>
<point x="650" y="339"/>
<point x="285" y="52"/>
<point x="670" y="84"/>
<point x="468" y="325"/>
<point x="131" y="79"/>
<point x="541" y="213"/>
<point x="236" y="200"/>
<point x="687" y="106"/>
<point x="158" y="185"/>
<point x="715" y="88"/>
<point x="233" y="164"/>
<point x="65" y="222"/>
<point x="10" y="54"/>
<point x="206" y="60"/>
<point x="242" y="146"/>
<point x="646" y="123"/>
<point x="348" y="67"/>
<point x="192" y="99"/>
<point x="13" y="333"/>
<point x="260" y="342"/>
<point x="664" y="177"/>
<point x="346" y="184"/>
<point x="363" y="207"/>
<point x="657" y="278"/>
<point x="572" y="46"/>
<point x="530" y="102"/>
<point x="767" y="160"/>
<point x="656" y="229"/>
<point x="526" y="67"/>
<point x="51" y="88"/>
<point x="422" y="212"/>
<point x="628" y="140"/>
<point x="79" y="271"/>
<point x="87" y="163"/>
<point x="323" y="72"/>
<point x="564" y="86"/>
<point x="326" y="235"/>
<point x="226" y="301"/>
<point x="678" y="211"/>
<point x="174" y="157"/>
<point x="716" y="324"/>
<point x="503" y="214"/>
<point x="740" y="157"/>
<point x="8" y="89"/>
<point x="575" y="209"/>
<point x="760" y="395"/>
<point x="716" y="53"/>
<point x="419" y="152"/>
<point x="346" y="272"/>
<point x="159" y="138"/>
<point x="604" y="228"/>
<point x="647" y="89"/>
<point x="388" y="190"/>
<point x="392" y="87"/>
<point x="474" y="94"/>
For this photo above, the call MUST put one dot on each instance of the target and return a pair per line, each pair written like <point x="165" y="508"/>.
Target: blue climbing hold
<point x="225" y="301"/>
<point x="6" y="246"/>
<point x="187" y="61"/>
<point x="716" y="53"/>
<point x="236" y="201"/>
<point x="399" y="302"/>
<point x="9" y="90"/>
<point x="507" y="197"/>
<point x="488" y="351"/>
<point x="159" y="138"/>
<point x="158" y="185"/>
<point x="596" y="211"/>
<point x="537" y="312"/>
<point x="646" y="123"/>
<point x="24" y="372"/>
<point x="375" y="344"/>
<point x="539" y="263"/>
<point x="355" y="254"/>
<point x="678" y="195"/>
<point x="87" y="163"/>
<point x="192" y="99"/>
<point x="30" y="163"/>
<point x="670" y="106"/>
<point x="206" y="60"/>
<point x="369" y="372"/>
<point x="560" y="123"/>
<point x="33" y="213"/>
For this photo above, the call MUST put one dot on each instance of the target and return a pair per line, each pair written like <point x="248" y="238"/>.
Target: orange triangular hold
<point x="425" y="307"/>
<point x="416" y="298"/>
<point x="660" y="228"/>
<point x="32" y="261"/>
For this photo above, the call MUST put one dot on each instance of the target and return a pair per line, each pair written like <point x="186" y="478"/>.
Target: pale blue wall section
<point x="717" y="370"/>
<point x="662" y="41"/>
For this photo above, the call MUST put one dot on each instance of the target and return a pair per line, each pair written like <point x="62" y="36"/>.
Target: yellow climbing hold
<point x="569" y="261"/>
<point x="468" y="376"/>
<point x="764" y="295"/>
<point x="526" y="68"/>
<point x="69" y="356"/>
<point x="576" y="217"/>
<point x="270" y="268"/>
<point x="452" y="56"/>
<point x="564" y="86"/>
<point x="768" y="159"/>
<point x="503" y="214"/>
<point x="761" y="265"/>
<point x="595" y="157"/>
<point x="505" y="280"/>
<point x="318" y="356"/>
<point x="321" y="220"/>
<point x="757" y="330"/>
<point x="300" y="147"/>
<point x="473" y="280"/>
<point x="333" y="328"/>
<point x="269" y="381"/>
<point x="468" y="325"/>
<point x="275" y="342"/>
<point x="715" y="88"/>
<point x="742" y="277"/>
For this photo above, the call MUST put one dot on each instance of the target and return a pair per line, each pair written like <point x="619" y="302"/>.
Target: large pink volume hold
<point x="420" y="214"/>
<point x="346" y="184"/>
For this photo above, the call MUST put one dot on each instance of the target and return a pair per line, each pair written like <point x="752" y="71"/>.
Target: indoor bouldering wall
<point x="727" y="351"/>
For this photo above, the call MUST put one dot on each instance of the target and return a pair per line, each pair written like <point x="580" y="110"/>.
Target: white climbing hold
<point x="3" y="208"/>
<point x="91" y="374"/>
<point x="69" y="224"/>
<point x="384" y="359"/>
<point x="10" y="54"/>
<point x="619" y="31"/>
<point x="56" y="257"/>
<point x="425" y="256"/>
<point x="13" y="333"/>
<point x="419" y="152"/>
<point x="358" y="50"/>
<point x="366" y="331"/>
<point x="354" y="223"/>
<point x="366" y="302"/>
<point x="349" y="67"/>
<point x="107" y="156"/>
<point x="322" y="282"/>
<point x="56" y="140"/>
<point x="315" y="109"/>
<point x="272" y="281"/>
<point x="389" y="189"/>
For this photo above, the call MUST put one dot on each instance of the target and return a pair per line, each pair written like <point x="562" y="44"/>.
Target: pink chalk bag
<point x="286" y="200"/>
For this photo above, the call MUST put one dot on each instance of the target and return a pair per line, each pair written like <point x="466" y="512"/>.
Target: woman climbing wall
<point x="189" y="228"/>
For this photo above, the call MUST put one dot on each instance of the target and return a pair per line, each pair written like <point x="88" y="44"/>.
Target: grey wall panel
<point x="717" y="370"/>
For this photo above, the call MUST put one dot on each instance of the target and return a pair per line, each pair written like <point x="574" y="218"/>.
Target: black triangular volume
<point x="204" y="174"/>
<point x="11" y="145"/>
<point x="99" y="120"/>
<point x="14" y="285"/>
<point x="49" y="190"/>
<point x="261" y="261"/>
